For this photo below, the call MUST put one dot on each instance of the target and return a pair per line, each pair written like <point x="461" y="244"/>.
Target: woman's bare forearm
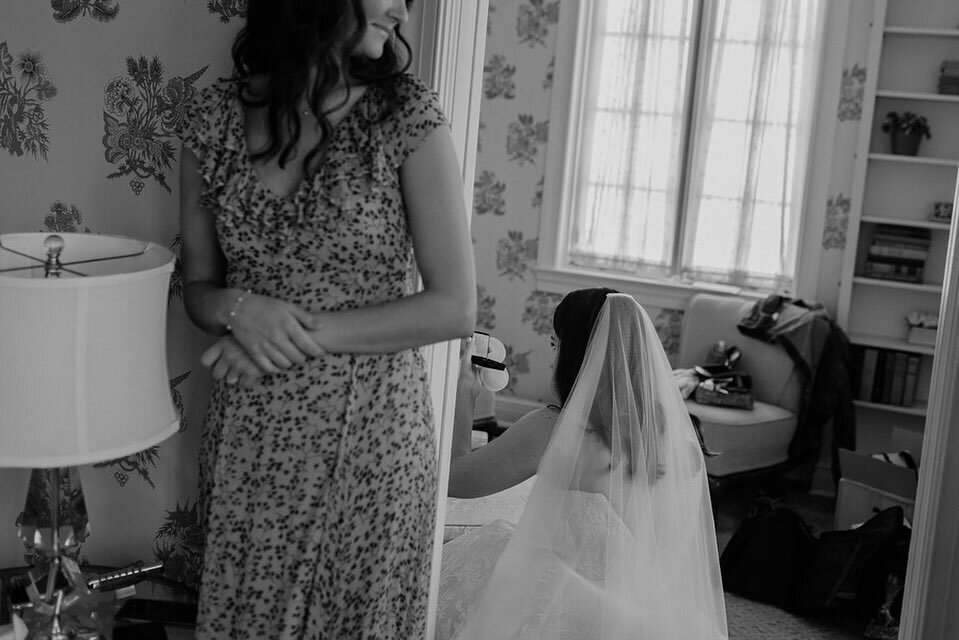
<point x="413" y="321"/>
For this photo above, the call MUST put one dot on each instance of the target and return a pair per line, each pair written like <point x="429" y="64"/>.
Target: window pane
<point x="627" y="200"/>
<point x="742" y="213"/>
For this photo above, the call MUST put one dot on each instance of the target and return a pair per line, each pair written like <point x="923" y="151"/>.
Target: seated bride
<point x="616" y="540"/>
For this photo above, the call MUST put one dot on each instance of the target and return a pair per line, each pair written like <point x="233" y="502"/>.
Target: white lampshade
<point x="83" y="365"/>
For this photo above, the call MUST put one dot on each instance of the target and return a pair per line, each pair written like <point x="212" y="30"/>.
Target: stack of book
<point x="886" y="376"/>
<point x="949" y="77"/>
<point x="898" y="253"/>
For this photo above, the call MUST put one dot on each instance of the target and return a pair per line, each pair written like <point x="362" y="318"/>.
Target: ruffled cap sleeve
<point x="206" y="116"/>
<point x="419" y="114"/>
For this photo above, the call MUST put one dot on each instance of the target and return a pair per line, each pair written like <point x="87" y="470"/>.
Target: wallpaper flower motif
<point x="485" y="309"/>
<point x="498" y="78"/>
<point x="523" y="138"/>
<point x="837" y="221"/>
<point x="669" y="327"/>
<point x="67" y="10"/>
<point x="550" y="72"/>
<point x="176" y="278"/>
<point x="141" y="462"/>
<point x="539" y="311"/>
<point x="178" y="400"/>
<point x="534" y="19"/>
<point x="488" y="194"/>
<point x="138" y="463"/>
<point x="64" y="218"/>
<point x="24" y="87"/>
<point x="537" y="202"/>
<point x="514" y="255"/>
<point x="178" y="544"/>
<point x="227" y="9"/>
<point x="479" y="136"/>
<point x="851" y="95"/>
<point x="517" y="363"/>
<point x="139" y="119"/>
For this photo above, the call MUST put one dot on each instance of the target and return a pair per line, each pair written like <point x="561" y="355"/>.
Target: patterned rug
<point x="748" y="620"/>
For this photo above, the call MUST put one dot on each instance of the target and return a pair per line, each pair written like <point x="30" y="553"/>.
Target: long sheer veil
<point x="617" y="538"/>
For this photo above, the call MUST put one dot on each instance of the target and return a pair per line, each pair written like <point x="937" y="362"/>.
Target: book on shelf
<point x="885" y="376"/>
<point x="894" y="251"/>
<point x="888" y="375"/>
<point x="875" y="393"/>
<point x="898" y="253"/>
<point x="898" y="240"/>
<point x="867" y="376"/>
<point x="909" y="384"/>
<point x="898" y="232"/>
<point x="898" y="378"/>
<point x="894" y="269"/>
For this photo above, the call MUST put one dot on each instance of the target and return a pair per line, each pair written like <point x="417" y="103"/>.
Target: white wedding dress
<point x="632" y="557"/>
<point x="469" y="559"/>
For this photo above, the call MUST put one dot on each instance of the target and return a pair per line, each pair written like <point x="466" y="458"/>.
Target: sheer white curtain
<point x="696" y="138"/>
<point x="629" y="179"/>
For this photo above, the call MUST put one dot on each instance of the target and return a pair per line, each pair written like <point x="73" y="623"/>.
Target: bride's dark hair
<point x="283" y="40"/>
<point x="573" y="322"/>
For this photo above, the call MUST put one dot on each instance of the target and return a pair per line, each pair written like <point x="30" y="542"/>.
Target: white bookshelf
<point x="902" y="74"/>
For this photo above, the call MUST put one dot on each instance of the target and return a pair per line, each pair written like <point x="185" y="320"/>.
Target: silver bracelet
<point x="236" y="306"/>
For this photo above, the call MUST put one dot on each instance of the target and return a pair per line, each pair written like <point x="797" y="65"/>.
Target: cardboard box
<point x="869" y="485"/>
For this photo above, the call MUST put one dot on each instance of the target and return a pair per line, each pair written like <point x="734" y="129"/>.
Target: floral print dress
<point x="318" y="484"/>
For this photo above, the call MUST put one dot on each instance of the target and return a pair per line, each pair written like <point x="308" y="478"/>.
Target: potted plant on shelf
<point x="906" y="130"/>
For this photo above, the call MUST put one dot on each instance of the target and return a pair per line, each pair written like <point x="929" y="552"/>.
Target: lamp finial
<point x="54" y="247"/>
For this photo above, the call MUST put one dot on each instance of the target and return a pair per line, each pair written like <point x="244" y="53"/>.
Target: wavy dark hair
<point x="283" y="40"/>
<point x="573" y="322"/>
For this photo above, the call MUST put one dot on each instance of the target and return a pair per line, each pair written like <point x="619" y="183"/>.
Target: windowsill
<point x="652" y="292"/>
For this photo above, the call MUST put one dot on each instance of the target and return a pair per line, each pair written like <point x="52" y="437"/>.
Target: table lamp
<point x="83" y="379"/>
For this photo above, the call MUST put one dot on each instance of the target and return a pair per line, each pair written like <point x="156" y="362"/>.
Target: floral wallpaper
<point x="90" y="94"/>
<point x="24" y="88"/>
<point x="518" y="73"/>
<point x="140" y="114"/>
<point x="848" y="114"/>
<point x="67" y="10"/>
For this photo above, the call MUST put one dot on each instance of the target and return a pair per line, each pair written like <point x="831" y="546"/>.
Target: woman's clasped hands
<point x="267" y="335"/>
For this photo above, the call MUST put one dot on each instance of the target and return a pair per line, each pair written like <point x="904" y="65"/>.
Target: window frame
<point x="553" y="271"/>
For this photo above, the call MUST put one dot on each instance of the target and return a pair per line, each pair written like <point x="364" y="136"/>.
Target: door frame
<point x="932" y="574"/>
<point x="449" y="41"/>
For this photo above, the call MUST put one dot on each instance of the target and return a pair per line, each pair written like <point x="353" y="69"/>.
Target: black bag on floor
<point x="850" y="568"/>
<point x="767" y="556"/>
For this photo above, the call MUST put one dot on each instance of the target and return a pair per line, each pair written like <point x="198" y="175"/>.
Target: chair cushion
<point x="746" y="439"/>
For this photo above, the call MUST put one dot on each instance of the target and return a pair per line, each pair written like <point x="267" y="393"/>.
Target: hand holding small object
<point x="488" y="357"/>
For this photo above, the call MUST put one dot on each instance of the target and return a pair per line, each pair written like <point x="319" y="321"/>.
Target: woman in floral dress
<point x="312" y="183"/>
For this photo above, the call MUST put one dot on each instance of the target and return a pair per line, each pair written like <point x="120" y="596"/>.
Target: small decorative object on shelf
<point x="949" y="77"/>
<point x="922" y="327"/>
<point x="906" y="130"/>
<point x="898" y="253"/>
<point x="942" y="211"/>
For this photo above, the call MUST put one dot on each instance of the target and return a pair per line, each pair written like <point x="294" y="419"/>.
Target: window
<point x="687" y="139"/>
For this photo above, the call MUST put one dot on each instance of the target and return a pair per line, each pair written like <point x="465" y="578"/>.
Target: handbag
<point x="728" y="390"/>
<point x="720" y="383"/>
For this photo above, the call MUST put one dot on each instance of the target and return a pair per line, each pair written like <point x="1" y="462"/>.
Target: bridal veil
<point x="617" y="539"/>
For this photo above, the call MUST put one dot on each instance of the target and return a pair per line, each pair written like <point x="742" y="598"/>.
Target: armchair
<point x="750" y="442"/>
